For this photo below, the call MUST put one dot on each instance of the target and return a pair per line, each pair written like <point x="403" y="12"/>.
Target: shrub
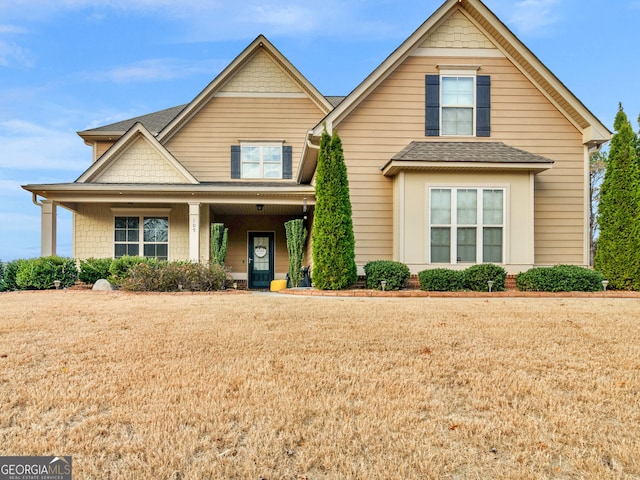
<point x="9" y="279"/>
<point x="40" y="273"/>
<point x="296" y="235"/>
<point x="561" y="278"/>
<point x="477" y="276"/>
<point x="93" y="269"/>
<point x="162" y="276"/>
<point x="120" y="267"/>
<point x="395" y="274"/>
<point x="1" y="274"/>
<point x="441" y="280"/>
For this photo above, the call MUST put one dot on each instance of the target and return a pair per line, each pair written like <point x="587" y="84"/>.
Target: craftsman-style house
<point x="461" y="148"/>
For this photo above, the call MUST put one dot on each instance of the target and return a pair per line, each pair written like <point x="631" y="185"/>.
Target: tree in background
<point x="219" y="241"/>
<point x="618" y="252"/>
<point x="334" y="265"/>
<point x="597" y="167"/>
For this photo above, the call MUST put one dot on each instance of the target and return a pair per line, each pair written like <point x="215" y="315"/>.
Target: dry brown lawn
<point x="181" y="386"/>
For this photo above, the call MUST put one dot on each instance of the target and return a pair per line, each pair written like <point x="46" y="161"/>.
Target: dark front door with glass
<point x="260" y="255"/>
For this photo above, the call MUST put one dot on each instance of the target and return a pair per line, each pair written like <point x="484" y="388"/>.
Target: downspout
<point x="34" y="199"/>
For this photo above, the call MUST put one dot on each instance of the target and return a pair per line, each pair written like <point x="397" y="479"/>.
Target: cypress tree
<point x="334" y="265"/>
<point x="618" y="250"/>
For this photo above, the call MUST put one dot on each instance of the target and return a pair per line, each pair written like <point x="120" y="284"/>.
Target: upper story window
<point x="261" y="160"/>
<point x="458" y="103"/>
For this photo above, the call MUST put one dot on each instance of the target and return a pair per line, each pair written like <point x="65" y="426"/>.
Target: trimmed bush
<point x="561" y="278"/>
<point x="477" y="276"/>
<point x="441" y="280"/>
<point x="9" y="279"/>
<point x="40" y="273"/>
<point x="120" y="267"/>
<point x="395" y="274"/>
<point x="163" y="276"/>
<point x="1" y="274"/>
<point x="93" y="269"/>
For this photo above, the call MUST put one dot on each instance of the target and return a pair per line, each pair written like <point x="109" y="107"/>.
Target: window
<point x="146" y="236"/>
<point x="261" y="161"/>
<point x="466" y="225"/>
<point x="458" y="103"/>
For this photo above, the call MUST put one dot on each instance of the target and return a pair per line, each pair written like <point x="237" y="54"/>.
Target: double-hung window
<point x="258" y="160"/>
<point x="261" y="160"/>
<point x="457" y="105"/>
<point x="146" y="236"/>
<point x="466" y="225"/>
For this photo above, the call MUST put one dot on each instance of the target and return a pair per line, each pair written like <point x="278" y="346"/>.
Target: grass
<point x="252" y="386"/>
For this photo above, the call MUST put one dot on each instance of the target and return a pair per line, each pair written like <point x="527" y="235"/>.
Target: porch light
<point x="259" y="206"/>
<point x="604" y="284"/>
<point x="490" y="283"/>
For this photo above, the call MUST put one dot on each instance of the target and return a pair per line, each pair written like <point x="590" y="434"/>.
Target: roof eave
<point x="393" y="167"/>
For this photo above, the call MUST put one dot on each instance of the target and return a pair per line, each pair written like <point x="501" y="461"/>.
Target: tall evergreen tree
<point x="618" y="251"/>
<point x="334" y="265"/>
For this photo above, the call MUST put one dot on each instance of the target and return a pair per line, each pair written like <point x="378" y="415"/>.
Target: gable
<point x="137" y="157"/>
<point x="261" y="75"/>
<point x="457" y="31"/>
<point x="140" y="163"/>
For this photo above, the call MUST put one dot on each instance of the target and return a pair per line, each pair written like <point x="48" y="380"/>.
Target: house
<point x="461" y="148"/>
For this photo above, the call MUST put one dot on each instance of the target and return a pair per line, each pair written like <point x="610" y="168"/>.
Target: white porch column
<point x="194" y="231"/>
<point x="48" y="235"/>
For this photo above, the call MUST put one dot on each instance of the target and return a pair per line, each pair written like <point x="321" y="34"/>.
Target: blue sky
<point x="69" y="65"/>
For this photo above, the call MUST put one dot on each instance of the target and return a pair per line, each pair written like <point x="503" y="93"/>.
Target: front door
<point x="260" y="259"/>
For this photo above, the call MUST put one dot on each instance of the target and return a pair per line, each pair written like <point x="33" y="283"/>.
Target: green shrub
<point x="163" y="276"/>
<point x="93" y="269"/>
<point x="561" y="278"/>
<point x="395" y="274"/>
<point x="477" y="276"/>
<point x="9" y="279"/>
<point x="1" y="274"/>
<point x="40" y="273"/>
<point x="441" y="280"/>
<point x="120" y="267"/>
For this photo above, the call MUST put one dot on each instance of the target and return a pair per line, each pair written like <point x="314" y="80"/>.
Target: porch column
<point x="194" y="231"/>
<point x="48" y="235"/>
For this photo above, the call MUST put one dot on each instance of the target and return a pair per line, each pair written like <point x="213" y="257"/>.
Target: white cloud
<point x="27" y="146"/>
<point x="12" y="53"/>
<point x="155" y="69"/>
<point x="533" y="16"/>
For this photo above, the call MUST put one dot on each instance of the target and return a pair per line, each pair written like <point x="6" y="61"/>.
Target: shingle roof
<point x="486" y="152"/>
<point x="154" y="122"/>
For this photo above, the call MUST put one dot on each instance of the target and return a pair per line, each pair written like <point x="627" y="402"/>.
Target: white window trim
<point x="448" y="71"/>
<point x="141" y="213"/>
<point x="262" y="144"/>
<point x="479" y="225"/>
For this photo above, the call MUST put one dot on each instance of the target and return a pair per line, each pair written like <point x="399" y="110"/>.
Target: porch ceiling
<point x="252" y="209"/>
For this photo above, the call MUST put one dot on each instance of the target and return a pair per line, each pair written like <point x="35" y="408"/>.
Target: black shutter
<point x="287" y="161"/>
<point x="483" y="106"/>
<point x="235" y="161"/>
<point x="432" y="116"/>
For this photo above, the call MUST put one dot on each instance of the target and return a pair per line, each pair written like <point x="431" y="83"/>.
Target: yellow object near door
<point x="277" y="285"/>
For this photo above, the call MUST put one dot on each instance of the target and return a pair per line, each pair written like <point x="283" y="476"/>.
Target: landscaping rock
<point x="102" y="285"/>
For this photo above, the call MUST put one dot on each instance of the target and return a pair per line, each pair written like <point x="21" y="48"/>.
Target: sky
<point x="70" y="65"/>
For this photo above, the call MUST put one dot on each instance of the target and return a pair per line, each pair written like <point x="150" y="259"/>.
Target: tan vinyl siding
<point x="203" y="145"/>
<point x="102" y="147"/>
<point x="394" y="115"/>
